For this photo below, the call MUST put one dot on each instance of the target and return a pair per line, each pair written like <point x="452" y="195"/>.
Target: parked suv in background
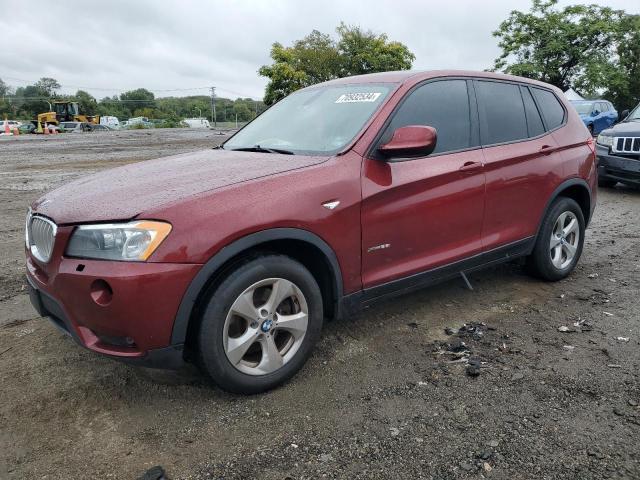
<point x="618" y="150"/>
<point x="340" y="195"/>
<point x="596" y="114"/>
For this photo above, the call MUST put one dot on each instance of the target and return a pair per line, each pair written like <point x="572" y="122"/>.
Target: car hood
<point x="125" y="192"/>
<point x="627" y="129"/>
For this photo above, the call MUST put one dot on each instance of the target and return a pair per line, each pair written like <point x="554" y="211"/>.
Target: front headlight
<point x="133" y="241"/>
<point x="605" y="140"/>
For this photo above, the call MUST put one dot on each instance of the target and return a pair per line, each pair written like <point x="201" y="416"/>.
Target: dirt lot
<point x="386" y="394"/>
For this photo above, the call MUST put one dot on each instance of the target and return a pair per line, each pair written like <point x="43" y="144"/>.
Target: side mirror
<point x="410" y="141"/>
<point x="623" y="115"/>
<point x="595" y="113"/>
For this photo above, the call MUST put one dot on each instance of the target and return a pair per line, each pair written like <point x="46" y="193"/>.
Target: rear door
<point x="521" y="161"/>
<point x="425" y="212"/>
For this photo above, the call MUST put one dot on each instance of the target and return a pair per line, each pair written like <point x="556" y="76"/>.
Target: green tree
<point x="4" y="88"/>
<point x="562" y="47"/>
<point x="113" y="106"/>
<point x="86" y="102"/>
<point x="318" y="58"/>
<point x="365" y="52"/>
<point x="623" y="80"/>
<point x="5" y="105"/>
<point x="47" y="86"/>
<point x="32" y="100"/>
<point x="242" y="111"/>
<point x="137" y="99"/>
<point x="144" y="112"/>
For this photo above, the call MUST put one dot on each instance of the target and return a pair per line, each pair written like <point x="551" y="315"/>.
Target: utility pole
<point x="213" y="106"/>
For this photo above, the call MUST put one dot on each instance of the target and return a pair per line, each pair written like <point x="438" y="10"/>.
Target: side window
<point x="502" y="117"/>
<point x="534" y="121"/>
<point x="443" y="105"/>
<point x="550" y="107"/>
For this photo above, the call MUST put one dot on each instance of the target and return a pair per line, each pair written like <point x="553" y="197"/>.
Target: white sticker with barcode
<point x="358" y="97"/>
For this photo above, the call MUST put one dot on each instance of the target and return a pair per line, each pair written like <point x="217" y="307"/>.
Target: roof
<point x="585" y="100"/>
<point x="416" y="76"/>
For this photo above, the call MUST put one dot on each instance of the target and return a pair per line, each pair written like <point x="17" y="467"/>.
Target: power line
<point x="185" y="89"/>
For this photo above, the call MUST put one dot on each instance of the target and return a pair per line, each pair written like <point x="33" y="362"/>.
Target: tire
<point x="253" y="336"/>
<point x="606" y="183"/>
<point x="557" y="250"/>
<point x="590" y="128"/>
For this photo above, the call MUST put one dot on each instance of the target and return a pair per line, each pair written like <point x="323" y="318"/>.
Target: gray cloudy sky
<point x="110" y="46"/>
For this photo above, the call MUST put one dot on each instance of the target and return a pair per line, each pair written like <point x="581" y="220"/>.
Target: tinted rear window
<point x="502" y="116"/>
<point x="534" y="121"/>
<point x="443" y="105"/>
<point x="550" y="106"/>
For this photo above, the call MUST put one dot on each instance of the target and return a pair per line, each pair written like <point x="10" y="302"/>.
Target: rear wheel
<point x="590" y="128"/>
<point x="260" y="324"/>
<point x="560" y="241"/>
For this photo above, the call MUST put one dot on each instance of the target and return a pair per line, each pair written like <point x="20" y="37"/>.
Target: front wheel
<point x="260" y="324"/>
<point x="560" y="241"/>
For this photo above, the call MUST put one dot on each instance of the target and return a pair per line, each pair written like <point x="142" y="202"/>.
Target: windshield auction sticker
<point x="358" y="97"/>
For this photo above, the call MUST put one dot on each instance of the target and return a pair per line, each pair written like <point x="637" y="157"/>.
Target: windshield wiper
<point x="258" y="148"/>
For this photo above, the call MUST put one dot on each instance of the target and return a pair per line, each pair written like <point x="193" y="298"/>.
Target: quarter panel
<point x="519" y="182"/>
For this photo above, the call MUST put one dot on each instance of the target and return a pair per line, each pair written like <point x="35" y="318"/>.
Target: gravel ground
<point x="445" y="383"/>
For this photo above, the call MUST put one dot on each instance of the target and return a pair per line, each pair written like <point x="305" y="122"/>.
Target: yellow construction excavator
<point x="63" y="111"/>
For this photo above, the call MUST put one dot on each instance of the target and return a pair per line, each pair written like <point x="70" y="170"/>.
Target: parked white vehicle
<point x="110" y="121"/>
<point x="12" y="123"/>
<point x="197" y="122"/>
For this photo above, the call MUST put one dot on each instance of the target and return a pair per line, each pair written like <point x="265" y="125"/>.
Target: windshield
<point x="583" y="108"/>
<point x="634" y="115"/>
<point x="320" y="120"/>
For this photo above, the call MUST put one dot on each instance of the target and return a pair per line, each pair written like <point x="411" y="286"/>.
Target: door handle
<point x="547" y="149"/>
<point x="470" y="167"/>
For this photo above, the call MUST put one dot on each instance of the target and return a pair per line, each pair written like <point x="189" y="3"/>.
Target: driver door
<point x="421" y="213"/>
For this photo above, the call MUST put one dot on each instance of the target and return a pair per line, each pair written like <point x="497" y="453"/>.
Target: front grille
<point x="41" y="234"/>
<point x="626" y="145"/>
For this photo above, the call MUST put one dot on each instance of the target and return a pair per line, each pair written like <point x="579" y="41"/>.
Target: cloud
<point x="109" y="47"/>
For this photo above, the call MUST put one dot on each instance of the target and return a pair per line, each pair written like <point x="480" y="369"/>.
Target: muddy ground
<point x="386" y="395"/>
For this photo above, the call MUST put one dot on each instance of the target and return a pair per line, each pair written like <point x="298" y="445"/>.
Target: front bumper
<point x="124" y="310"/>
<point x="615" y="167"/>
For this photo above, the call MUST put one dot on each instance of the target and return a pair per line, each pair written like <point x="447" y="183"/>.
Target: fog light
<point x="101" y="292"/>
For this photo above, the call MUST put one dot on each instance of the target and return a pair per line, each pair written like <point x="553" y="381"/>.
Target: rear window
<point x="502" y="116"/>
<point x="534" y="121"/>
<point x="550" y="107"/>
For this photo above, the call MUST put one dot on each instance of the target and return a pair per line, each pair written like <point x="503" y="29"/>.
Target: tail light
<point x="592" y="145"/>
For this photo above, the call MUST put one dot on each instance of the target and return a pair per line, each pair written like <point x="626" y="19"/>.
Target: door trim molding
<point x="355" y="302"/>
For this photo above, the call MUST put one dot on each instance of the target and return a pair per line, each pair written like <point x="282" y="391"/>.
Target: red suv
<point x="341" y="194"/>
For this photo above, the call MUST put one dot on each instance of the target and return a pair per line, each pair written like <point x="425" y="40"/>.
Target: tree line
<point x="26" y="102"/>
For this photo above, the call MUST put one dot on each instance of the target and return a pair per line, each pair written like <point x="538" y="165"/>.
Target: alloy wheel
<point x="265" y="326"/>
<point x="565" y="239"/>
